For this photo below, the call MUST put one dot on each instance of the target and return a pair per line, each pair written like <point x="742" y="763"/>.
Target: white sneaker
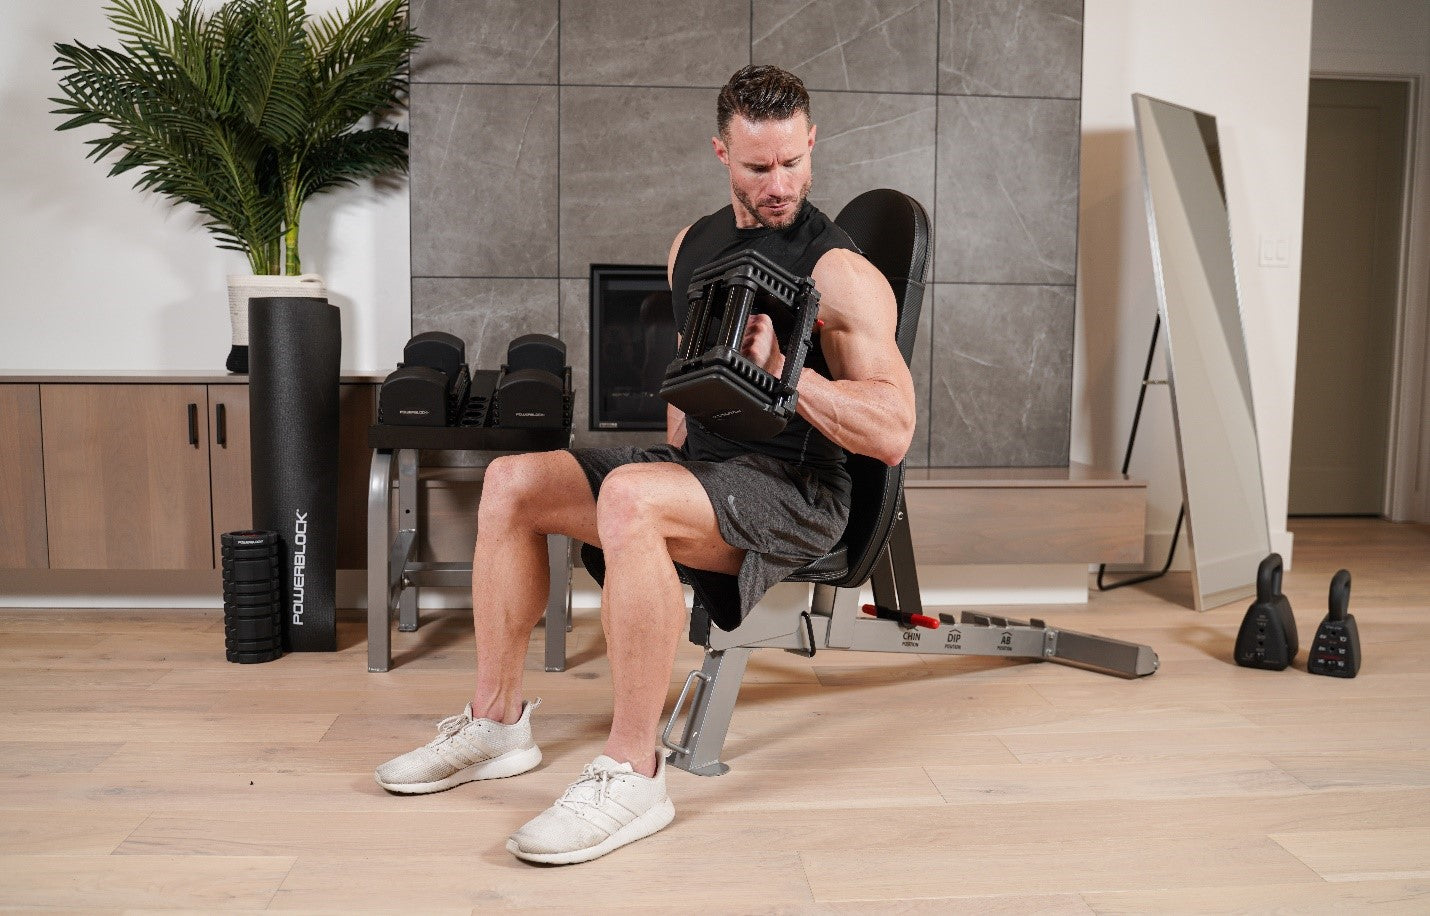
<point x="464" y="750"/>
<point x="609" y="806"/>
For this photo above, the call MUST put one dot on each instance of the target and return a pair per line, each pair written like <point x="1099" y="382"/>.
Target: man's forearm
<point x="871" y="417"/>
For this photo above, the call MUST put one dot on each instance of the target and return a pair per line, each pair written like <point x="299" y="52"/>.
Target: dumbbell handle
<point x="737" y="314"/>
<point x="1340" y="594"/>
<point x="1268" y="578"/>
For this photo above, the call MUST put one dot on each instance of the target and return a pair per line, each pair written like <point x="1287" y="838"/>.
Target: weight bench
<point x="892" y="230"/>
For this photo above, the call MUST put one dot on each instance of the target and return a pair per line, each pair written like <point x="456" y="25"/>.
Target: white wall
<point x="100" y="276"/>
<point x="1246" y="62"/>
<point x="1391" y="38"/>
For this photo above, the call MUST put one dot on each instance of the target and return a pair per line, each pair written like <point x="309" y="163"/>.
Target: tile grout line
<point x="933" y="230"/>
<point x="703" y="88"/>
<point x="560" y="95"/>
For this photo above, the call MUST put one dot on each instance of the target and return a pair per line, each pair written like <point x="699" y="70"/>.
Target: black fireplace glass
<point x="632" y="342"/>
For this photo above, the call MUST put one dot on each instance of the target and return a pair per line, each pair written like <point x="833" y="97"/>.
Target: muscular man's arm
<point x="674" y="419"/>
<point x="868" y="407"/>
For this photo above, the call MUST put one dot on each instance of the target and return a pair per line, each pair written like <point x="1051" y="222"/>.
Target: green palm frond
<point x="359" y="63"/>
<point x="352" y="157"/>
<point x="268" y="62"/>
<point x="244" y="112"/>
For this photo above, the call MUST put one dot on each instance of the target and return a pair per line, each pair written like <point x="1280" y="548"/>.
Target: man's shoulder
<point x="847" y="281"/>
<point x="844" y="264"/>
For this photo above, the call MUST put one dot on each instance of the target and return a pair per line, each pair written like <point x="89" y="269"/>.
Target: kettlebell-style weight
<point x="1335" y="650"/>
<point x="1267" y="638"/>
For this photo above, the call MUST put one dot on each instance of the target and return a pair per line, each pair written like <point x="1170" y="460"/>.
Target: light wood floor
<point x="140" y="771"/>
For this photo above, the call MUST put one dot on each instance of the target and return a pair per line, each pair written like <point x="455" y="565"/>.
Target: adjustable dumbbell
<point x="710" y="380"/>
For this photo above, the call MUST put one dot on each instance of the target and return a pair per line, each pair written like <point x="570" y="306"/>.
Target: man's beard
<point x="754" y="213"/>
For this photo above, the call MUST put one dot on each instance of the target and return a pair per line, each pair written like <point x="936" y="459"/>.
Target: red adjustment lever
<point x="904" y="618"/>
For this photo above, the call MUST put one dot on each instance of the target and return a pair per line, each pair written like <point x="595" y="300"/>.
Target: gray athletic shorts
<point x="782" y="515"/>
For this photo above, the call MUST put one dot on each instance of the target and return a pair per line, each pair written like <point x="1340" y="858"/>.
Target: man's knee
<point x="509" y="485"/>
<point x="628" y="507"/>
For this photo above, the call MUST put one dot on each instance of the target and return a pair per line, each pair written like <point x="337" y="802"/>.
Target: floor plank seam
<point x="137" y="827"/>
<point x="1309" y="867"/>
<point x="279" y="887"/>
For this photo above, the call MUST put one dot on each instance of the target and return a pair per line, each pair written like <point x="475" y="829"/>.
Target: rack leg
<point x="558" y="603"/>
<point x="407" y="517"/>
<point x="379" y="536"/>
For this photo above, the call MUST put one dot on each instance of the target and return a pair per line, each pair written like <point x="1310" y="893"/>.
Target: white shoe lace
<point x="588" y="791"/>
<point x="449" y="727"/>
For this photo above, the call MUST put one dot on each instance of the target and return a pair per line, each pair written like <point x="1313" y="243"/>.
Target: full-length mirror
<point x="1206" y="350"/>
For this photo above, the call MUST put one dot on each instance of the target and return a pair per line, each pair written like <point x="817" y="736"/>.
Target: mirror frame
<point x="1205" y="415"/>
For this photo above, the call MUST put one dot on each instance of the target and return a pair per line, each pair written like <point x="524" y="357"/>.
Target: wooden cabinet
<point x="357" y="410"/>
<point x="127" y="476"/>
<point x="143" y="474"/>
<point x="23" y="538"/>
<point x="230" y="462"/>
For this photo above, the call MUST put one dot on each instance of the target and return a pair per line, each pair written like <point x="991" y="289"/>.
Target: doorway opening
<point x="1352" y="266"/>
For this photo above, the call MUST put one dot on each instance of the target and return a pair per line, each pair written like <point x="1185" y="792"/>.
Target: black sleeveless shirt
<point x="797" y="249"/>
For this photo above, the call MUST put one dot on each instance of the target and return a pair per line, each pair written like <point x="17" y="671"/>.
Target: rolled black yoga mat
<point x="294" y="348"/>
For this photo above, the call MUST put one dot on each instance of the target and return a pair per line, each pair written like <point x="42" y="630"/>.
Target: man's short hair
<point x="761" y="92"/>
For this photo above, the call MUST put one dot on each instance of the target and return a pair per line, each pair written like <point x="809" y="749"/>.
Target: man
<point x="734" y="516"/>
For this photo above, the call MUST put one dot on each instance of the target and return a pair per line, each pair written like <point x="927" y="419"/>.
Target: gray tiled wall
<point x="550" y="135"/>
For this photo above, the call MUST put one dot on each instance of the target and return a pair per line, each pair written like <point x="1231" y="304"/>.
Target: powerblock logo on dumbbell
<point x="300" y="562"/>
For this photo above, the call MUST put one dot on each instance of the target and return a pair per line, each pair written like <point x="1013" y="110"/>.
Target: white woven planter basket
<point x="242" y="287"/>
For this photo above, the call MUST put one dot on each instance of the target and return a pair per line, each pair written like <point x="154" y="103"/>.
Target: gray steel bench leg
<point x="715" y="686"/>
<point x="379" y="537"/>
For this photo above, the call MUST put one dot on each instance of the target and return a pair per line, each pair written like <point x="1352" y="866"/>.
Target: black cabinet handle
<point x="194" y="425"/>
<point x="221" y="422"/>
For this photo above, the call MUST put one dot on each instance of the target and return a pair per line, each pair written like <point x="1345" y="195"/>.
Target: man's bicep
<point x="860" y="317"/>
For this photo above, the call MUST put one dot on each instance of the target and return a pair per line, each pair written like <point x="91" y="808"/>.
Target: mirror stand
<point x="1127" y="462"/>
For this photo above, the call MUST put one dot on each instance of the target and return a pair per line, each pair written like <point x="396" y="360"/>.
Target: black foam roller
<point x="295" y="344"/>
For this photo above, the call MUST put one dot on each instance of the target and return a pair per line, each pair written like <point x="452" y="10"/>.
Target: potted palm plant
<point x="245" y="111"/>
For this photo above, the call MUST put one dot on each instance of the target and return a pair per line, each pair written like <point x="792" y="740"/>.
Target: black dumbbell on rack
<point x="429" y="387"/>
<point x="533" y="390"/>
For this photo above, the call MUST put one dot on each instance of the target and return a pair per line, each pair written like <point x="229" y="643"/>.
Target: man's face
<point x="769" y="163"/>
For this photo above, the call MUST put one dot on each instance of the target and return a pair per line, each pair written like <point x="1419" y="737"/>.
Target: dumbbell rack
<point x="475" y="430"/>
<point x="393" y="573"/>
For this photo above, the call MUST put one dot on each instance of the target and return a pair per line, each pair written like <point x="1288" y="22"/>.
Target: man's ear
<point x="812" y="129"/>
<point x="721" y="152"/>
